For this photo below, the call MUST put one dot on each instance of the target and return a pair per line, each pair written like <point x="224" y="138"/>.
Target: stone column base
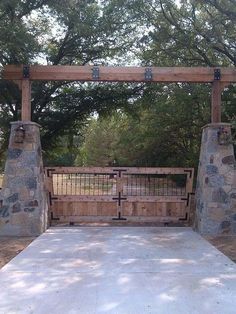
<point x="23" y="210"/>
<point x="216" y="184"/>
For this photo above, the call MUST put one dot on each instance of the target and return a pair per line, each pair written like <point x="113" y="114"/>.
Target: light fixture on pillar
<point x="19" y="134"/>
<point x="224" y="137"/>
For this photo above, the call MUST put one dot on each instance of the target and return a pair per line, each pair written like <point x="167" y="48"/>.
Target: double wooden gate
<point x="79" y="194"/>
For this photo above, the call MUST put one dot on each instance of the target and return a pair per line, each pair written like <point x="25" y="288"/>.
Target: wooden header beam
<point x="219" y="77"/>
<point x="119" y="74"/>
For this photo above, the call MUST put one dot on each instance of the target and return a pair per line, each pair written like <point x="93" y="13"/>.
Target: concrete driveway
<point x="119" y="270"/>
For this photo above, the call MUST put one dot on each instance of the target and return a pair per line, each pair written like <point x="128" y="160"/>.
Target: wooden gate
<point x="79" y="194"/>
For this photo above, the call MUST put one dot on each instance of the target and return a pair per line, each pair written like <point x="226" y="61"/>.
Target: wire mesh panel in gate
<point x="84" y="184"/>
<point x="154" y="185"/>
<point x="135" y="193"/>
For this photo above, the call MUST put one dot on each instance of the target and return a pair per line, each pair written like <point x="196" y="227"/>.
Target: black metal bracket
<point x="217" y="74"/>
<point x="188" y="198"/>
<point x="26" y="72"/>
<point x="185" y="199"/>
<point x="51" y="198"/>
<point x="95" y="73"/>
<point x="53" y="218"/>
<point x="148" y="74"/>
<point x="49" y="170"/>
<point x="119" y="171"/>
<point x="185" y="218"/>
<point x="119" y="198"/>
<point x="119" y="217"/>
<point x="190" y="172"/>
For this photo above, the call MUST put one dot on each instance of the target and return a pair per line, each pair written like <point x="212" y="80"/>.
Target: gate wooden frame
<point x="59" y="204"/>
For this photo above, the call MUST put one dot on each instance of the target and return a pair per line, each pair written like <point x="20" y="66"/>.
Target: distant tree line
<point x="127" y="124"/>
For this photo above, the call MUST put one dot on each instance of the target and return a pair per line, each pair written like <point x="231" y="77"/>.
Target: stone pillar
<point x="23" y="210"/>
<point x="216" y="186"/>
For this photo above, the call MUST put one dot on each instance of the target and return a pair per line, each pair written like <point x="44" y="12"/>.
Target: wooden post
<point x="26" y="100"/>
<point x="216" y="102"/>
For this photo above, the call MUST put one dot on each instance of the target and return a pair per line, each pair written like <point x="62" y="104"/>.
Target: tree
<point x="163" y="132"/>
<point x="62" y="32"/>
<point x="152" y="32"/>
<point x="193" y="33"/>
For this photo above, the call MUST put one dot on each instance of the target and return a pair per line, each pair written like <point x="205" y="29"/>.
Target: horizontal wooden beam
<point x="99" y="198"/>
<point x="124" y="170"/>
<point x="120" y="74"/>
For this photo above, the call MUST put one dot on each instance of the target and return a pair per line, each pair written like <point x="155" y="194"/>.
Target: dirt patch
<point x="225" y="244"/>
<point x="11" y="246"/>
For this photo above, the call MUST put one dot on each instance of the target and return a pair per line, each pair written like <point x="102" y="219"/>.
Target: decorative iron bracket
<point x="26" y="72"/>
<point x="187" y="199"/>
<point x="54" y="218"/>
<point x="189" y="171"/>
<point x="217" y="75"/>
<point x="119" y="217"/>
<point x="119" y="198"/>
<point x="148" y="74"/>
<point x="49" y="171"/>
<point x="51" y="198"/>
<point x="185" y="218"/>
<point x="95" y="73"/>
<point x="119" y="171"/>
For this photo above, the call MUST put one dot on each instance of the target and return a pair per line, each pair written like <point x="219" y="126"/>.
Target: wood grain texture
<point x="119" y="74"/>
<point x="124" y="170"/>
<point x="26" y="100"/>
<point x="161" y="207"/>
<point x="216" y="102"/>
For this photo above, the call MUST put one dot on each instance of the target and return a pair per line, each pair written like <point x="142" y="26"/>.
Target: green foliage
<point x="100" y="142"/>
<point x="165" y="132"/>
<point x="61" y="32"/>
<point x="193" y="33"/>
<point x="152" y="125"/>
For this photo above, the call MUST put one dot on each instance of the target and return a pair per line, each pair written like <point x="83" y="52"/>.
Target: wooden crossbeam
<point x="119" y="74"/>
<point x="219" y="77"/>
